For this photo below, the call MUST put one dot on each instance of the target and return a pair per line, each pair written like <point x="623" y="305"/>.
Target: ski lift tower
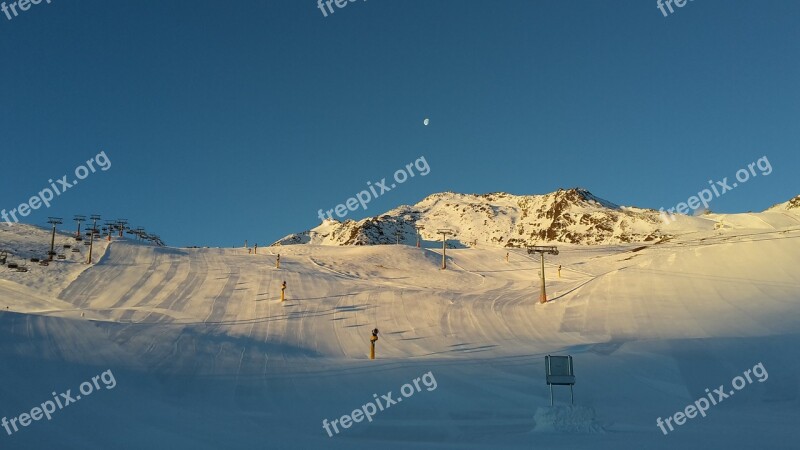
<point x="79" y="219"/>
<point x="108" y="228"/>
<point x="121" y="225"/>
<point x="53" y="221"/>
<point x="445" y="232"/>
<point x="94" y="218"/>
<point x="542" y="250"/>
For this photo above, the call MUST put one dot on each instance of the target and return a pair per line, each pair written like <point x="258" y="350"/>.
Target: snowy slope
<point x="206" y="356"/>
<point x="791" y="205"/>
<point x="23" y="242"/>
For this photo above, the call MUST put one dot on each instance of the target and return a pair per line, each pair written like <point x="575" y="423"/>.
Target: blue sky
<point x="227" y="121"/>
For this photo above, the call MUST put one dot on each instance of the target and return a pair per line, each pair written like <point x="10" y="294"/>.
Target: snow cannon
<point x="372" y="340"/>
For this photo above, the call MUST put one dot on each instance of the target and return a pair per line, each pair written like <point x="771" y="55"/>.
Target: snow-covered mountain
<point x="573" y="216"/>
<point x="200" y="341"/>
<point x="499" y="219"/>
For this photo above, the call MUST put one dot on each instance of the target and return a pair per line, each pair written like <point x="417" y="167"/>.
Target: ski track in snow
<point x="201" y="332"/>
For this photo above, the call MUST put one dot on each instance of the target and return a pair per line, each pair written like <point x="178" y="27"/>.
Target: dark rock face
<point x="576" y="216"/>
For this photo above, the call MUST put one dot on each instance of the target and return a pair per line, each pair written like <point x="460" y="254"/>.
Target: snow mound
<point x="566" y="419"/>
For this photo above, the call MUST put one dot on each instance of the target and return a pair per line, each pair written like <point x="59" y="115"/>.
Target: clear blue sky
<point x="227" y="121"/>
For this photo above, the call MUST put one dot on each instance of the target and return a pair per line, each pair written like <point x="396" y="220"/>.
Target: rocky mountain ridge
<point x="499" y="219"/>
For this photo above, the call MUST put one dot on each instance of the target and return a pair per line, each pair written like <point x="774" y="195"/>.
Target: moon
<point x="426" y="122"/>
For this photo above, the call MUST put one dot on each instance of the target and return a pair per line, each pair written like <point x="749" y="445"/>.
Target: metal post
<point x="445" y="232"/>
<point x="79" y="219"/>
<point x="94" y="219"/>
<point x="543" y="295"/>
<point x="444" y="252"/>
<point x="109" y="228"/>
<point x="54" y="221"/>
<point x="91" y="242"/>
<point x="551" y="395"/>
<point x="571" y="370"/>
<point x="542" y="250"/>
<point x="52" y="242"/>
<point x="121" y="223"/>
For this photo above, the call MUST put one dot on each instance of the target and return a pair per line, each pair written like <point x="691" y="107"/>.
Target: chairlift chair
<point x="13" y="265"/>
<point x="62" y="256"/>
<point x="76" y="250"/>
<point x="67" y="246"/>
<point x="44" y="263"/>
<point x="22" y="269"/>
<point x="34" y="260"/>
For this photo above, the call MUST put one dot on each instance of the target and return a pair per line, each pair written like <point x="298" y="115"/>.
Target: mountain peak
<point x="497" y="219"/>
<point x="579" y="195"/>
